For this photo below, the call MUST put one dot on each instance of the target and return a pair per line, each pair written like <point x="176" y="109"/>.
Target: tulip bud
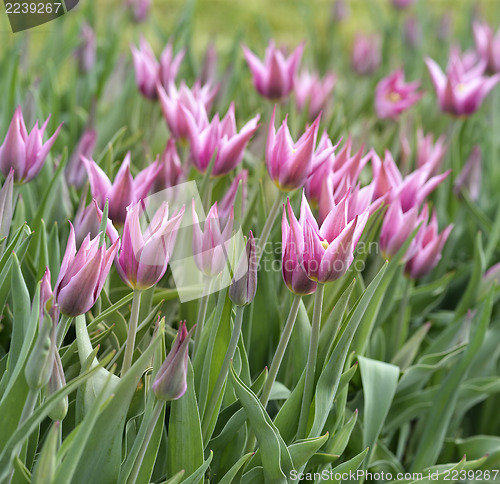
<point x="6" y="205"/>
<point x="86" y="52"/>
<point x="170" y="382"/>
<point x="244" y="283"/>
<point x="40" y="362"/>
<point x="75" y="169"/>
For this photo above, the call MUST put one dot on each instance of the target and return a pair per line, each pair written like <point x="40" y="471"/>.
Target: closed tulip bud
<point x="40" y="361"/>
<point x="139" y="8"/>
<point x="46" y="294"/>
<point x="227" y="202"/>
<point x="244" y="283"/>
<point x="171" y="380"/>
<point x="429" y="153"/>
<point x="86" y="52"/>
<point x="6" y="194"/>
<point x="274" y="78"/>
<point x="82" y="275"/>
<point x="24" y="152"/>
<point x="56" y="382"/>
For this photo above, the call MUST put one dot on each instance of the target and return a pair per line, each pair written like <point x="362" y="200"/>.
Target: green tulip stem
<point x="311" y="362"/>
<point x="219" y="384"/>
<point x="280" y="351"/>
<point x="202" y="316"/>
<point x="134" y="474"/>
<point x="132" y="330"/>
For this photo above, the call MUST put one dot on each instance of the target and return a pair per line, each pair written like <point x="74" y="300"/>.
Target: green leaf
<point x="338" y="442"/>
<point x="197" y="476"/>
<point x="406" y="354"/>
<point x="478" y="267"/>
<point x="46" y="464"/>
<point x="351" y="465"/>
<point x="24" y="430"/>
<point x="439" y="416"/>
<point x="104" y="446"/>
<point x="379" y="386"/>
<point x="230" y="476"/>
<point x="185" y="445"/>
<point x="332" y="325"/>
<point x="329" y="379"/>
<point x="273" y="450"/>
<point x="302" y="450"/>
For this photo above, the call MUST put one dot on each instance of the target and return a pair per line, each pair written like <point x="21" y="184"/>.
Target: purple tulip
<point x="366" y="54"/>
<point x="146" y="68"/>
<point x="139" y="8"/>
<point x="226" y="203"/>
<point x="429" y="153"/>
<point x="85" y="222"/>
<point x="288" y="163"/>
<point x="396" y="228"/>
<point x="149" y="72"/>
<point x="171" y="380"/>
<point x="82" y="275"/>
<point x="487" y="45"/>
<point x="46" y="294"/>
<point x="124" y="190"/>
<point x="170" y="173"/>
<point x="75" y="169"/>
<point x="170" y="64"/>
<point x="292" y="250"/>
<point x="176" y="103"/>
<point x="462" y="90"/>
<point x="144" y="254"/>
<point x="412" y="190"/>
<point x="86" y="52"/>
<point x="393" y="96"/>
<point x="244" y="284"/>
<point x="329" y="250"/>
<point x="469" y="178"/>
<point x="429" y="247"/>
<point x="24" y="152"/>
<point x="209" y="244"/>
<point x="313" y="92"/>
<point x="220" y="135"/>
<point x="274" y="77"/>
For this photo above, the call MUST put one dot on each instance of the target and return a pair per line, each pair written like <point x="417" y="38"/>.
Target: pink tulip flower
<point x="313" y="92"/>
<point x="274" y="77"/>
<point x="288" y="163"/>
<point x="124" y="190"/>
<point x="463" y="88"/>
<point x="393" y="96"/>
<point x="24" y="152"/>
<point x="82" y="274"/>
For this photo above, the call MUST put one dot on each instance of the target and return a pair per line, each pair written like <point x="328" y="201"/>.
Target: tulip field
<point x="250" y="243"/>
